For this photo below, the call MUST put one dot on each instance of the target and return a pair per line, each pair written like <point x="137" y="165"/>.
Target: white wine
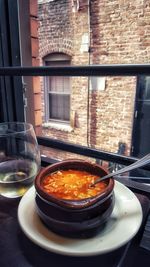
<point x="16" y="176"/>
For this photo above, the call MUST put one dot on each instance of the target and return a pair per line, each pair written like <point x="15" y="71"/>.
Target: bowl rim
<point x="85" y="209"/>
<point x="73" y="204"/>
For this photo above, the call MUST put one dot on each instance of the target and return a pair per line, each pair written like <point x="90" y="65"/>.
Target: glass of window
<point x="19" y="158"/>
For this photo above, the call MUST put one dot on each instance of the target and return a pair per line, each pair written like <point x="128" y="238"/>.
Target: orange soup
<point x="72" y="184"/>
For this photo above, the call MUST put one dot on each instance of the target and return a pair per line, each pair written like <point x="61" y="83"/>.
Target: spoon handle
<point x="139" y="163"/>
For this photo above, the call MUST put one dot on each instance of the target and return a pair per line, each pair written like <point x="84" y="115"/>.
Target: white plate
<point x="124" y="223"/>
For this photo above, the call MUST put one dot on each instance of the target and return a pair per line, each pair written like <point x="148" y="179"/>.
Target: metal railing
<point x="89" y="70"/>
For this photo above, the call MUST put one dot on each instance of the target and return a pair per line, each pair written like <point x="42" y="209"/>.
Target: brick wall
<point x="119" y="33"/>
<point x="64" y="33"/>
<point x="35" y="62"/>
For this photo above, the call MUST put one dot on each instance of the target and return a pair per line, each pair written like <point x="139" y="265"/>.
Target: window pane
<point x="101" y="109"/>
<point x="59" y="84"/>
<point x="56" y="84"/>
<point x="66" y="84"/>
<point x="59" y="107"/>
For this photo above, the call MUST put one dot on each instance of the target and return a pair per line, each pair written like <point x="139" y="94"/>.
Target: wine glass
<point x="19" y="158"/>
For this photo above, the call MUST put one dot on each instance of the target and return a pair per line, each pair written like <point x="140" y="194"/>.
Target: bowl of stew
<point x="67" y="203"/>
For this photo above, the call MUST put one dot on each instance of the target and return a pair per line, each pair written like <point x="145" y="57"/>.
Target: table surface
<point x="18" y="251"/>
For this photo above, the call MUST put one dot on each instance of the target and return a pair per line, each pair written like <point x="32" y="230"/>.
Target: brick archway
<point x="57" y="48"/>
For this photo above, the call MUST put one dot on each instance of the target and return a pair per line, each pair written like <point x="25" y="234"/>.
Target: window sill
<point x="57" y="126"/>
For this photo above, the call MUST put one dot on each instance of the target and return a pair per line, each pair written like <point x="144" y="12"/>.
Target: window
<point x="101" y="117"/>
<point x="57" y="91"/>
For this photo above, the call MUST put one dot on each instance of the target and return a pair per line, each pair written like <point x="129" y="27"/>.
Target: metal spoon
<point x="139" y="163"/>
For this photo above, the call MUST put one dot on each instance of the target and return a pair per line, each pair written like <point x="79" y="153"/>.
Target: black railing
<point x="92" y="70"/>
<point x="86" y="151"/>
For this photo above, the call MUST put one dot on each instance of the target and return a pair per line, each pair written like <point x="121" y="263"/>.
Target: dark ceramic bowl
<point x="74" y="217"/>
<point x="74" y="229"/>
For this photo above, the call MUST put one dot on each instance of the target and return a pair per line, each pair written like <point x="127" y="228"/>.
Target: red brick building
<point x="82" y="32"/>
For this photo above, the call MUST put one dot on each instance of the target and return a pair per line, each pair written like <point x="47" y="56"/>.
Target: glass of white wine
<point x="19" y="158"/>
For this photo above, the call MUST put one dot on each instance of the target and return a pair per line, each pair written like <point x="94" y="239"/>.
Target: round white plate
<point x="124" y="223"/>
